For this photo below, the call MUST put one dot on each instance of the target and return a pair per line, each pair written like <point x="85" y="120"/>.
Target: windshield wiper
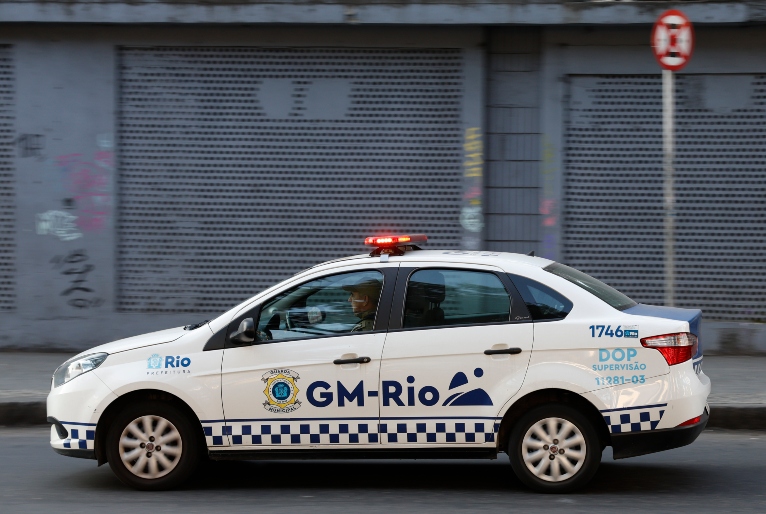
<point x="196" y="325"/>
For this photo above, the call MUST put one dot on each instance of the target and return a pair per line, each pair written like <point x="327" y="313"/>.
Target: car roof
<point x="499" y="259"/>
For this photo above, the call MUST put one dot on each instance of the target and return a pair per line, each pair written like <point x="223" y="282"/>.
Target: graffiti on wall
<point x="87" y="181"/>
<point x="75" y="267"/>
<point x="471" y="216"/>
<point x="31" y="145"/>
<point x="548" y="207"/>
<point x="58" y="223"/>
<point x="84" y="190"/>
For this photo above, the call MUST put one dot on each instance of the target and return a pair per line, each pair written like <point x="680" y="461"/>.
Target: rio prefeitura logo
<point x="281" y="391"/>
<point x="154" y="362"/>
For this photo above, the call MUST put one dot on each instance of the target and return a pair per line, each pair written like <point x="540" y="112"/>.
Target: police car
<point x="402" y="353"/>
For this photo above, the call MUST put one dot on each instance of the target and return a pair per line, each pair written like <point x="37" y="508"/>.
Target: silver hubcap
<point x="150" y="447"/>
<point x="553" y="449"/>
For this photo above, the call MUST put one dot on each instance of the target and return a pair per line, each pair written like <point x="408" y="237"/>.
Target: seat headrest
<point x="430" y="285"/>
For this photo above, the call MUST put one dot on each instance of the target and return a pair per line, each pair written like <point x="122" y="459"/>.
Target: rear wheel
<point x="554" y="449"/>
<point x="152" y="446"/>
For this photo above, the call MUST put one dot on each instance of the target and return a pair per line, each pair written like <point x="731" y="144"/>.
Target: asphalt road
<point x="720" y="471"/>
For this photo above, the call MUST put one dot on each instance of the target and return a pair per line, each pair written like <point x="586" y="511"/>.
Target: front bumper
<point x="76" y="453"/>
<point x="63" y="444"/>
<point x="73" y="411"/>
<point x="641" y="443"/>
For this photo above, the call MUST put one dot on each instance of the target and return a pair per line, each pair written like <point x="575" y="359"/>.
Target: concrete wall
<point x="407" y="12"/>
<point x="65" y="107"/>
<point x="66" y="162"/>
<point x="513" y="115"/>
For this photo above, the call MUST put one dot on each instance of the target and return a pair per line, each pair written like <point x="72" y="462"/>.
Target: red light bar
<point x="387" y="241"/>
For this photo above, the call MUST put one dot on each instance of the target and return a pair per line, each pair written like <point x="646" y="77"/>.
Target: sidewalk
<point x="737" y="401"/>
<point x="738" y="396"/>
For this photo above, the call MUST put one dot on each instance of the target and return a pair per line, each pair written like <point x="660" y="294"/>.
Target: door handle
<point x="512" y="351"/>
<point x="358" y="360"/>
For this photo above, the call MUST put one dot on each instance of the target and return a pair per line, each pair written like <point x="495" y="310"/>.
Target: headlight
<point x="76" y="367"/>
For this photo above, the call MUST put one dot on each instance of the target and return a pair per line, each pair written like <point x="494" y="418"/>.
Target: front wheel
<point x="152" y="446"/>
<point x="554" y="449"/>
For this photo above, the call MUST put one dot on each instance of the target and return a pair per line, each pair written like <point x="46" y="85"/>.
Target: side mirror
<point x="245" y="333"/>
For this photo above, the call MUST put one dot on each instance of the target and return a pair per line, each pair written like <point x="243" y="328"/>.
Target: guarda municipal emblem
<point x="281" y="391"/>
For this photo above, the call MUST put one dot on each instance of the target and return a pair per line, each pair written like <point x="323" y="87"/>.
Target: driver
<point x="364" y="302"/>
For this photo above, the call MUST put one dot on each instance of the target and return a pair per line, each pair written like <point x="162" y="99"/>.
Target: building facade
<point x="160" y="162"/>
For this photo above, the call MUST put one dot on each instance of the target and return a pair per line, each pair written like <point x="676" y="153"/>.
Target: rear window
<point x="543" y="303"/>
<point x="595" y="287"/>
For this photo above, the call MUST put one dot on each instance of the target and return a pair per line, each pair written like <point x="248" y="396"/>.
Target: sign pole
<point x="672" y="43"/>
<point x="668" y="113"/>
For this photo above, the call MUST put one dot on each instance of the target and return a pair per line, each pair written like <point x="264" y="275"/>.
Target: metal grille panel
<point x="240" y="166"/>
<point x="7" y="197"/>
<point x="613" y="197"/>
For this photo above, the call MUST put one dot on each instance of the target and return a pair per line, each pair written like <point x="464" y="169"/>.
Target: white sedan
<point x="399" y="353"/>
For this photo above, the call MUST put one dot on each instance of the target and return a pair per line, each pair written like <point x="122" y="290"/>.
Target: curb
<point x="721" y="416"/>
<point x="22" y="413"/>
<point x="737" y="418"/>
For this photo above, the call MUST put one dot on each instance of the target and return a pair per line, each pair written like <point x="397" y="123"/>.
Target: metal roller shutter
<point x="7" y="197"/>
<point x="239" y="166"/>
<point x="613" y="204"/>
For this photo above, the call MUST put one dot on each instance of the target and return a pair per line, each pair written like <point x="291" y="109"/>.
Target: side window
<point x="336" y="304"/>
<point x="542" y="302"/>
<point x="443" y="297"/>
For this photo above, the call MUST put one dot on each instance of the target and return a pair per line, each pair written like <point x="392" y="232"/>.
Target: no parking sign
<point x="673" y="40"/>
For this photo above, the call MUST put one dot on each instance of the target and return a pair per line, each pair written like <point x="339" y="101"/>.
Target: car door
<point x="308" y="380"/>
<point x="458" y="347"/>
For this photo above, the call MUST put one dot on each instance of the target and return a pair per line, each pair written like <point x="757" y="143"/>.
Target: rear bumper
<point x="652" y="441"/>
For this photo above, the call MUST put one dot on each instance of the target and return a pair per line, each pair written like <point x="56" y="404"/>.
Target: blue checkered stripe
<point x="80" y="437"/>
<point x="308" y="432"/>
<point x="215" y="431"/>
<point x="321" y="432"/>
<point x="634" y="419"/>
<point x="439" y="431"/>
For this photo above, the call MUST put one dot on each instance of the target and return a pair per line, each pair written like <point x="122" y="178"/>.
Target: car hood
<point x="131" y="343"/>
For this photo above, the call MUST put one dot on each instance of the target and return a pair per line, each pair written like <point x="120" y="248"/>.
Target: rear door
<point x="458" y="347"/>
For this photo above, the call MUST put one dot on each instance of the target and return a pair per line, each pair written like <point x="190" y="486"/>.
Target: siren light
<point x="388" y="241"/>
<point x="394" y="245"/>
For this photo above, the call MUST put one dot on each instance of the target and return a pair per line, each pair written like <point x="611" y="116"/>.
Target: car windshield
<point x="597" y="288"/>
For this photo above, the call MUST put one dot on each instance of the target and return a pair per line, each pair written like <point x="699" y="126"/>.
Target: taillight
<point x="692" y="421"/>
<point x="676" y="348"/>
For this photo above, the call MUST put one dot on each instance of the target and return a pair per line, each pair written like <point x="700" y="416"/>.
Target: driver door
<point x="307" y="380"/>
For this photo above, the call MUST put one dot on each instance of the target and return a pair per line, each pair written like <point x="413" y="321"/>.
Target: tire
<point x="561" y="447"/>
<point x="139" y="428"/>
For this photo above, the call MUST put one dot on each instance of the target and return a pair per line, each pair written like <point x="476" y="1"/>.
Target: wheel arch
<point x="546" y="397"/>
<point x="106" y="419"/>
